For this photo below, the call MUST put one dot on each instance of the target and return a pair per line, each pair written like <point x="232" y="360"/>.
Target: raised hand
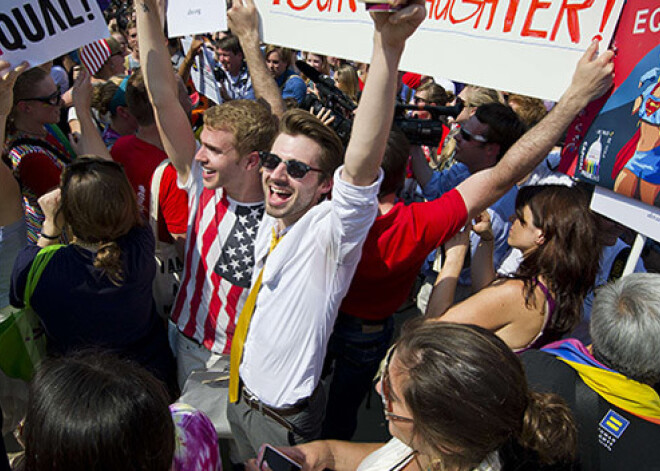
<point x="593" y="75"/>
<point x="7" y="80"/>
<point x="482" y="226"/>
<point x="395" y="27"/>
<point x="243" y="19"/>
<point x="82" y="91"/>
<point x="324" y="114"/>
<point x="50" y="202"/>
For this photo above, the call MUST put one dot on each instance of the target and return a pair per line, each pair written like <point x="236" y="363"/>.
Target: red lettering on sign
<point x="445" y="11"/>
<point x="572" y="19"/>
<point x="298" y="7"/>
<point x="510" y="15"/>
<point x="527" y="27"/>
<point x="448" y="11"/>
<point x="351" y="4"/>
<point x="324" y="6"/>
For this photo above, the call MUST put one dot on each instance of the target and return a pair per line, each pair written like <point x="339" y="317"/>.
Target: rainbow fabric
<point x="629" y="395"/>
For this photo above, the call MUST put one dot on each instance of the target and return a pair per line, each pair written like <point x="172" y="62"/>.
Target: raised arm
<point x="88" y="141"/>
<point x="173" y="125"/>
<point x="444" y="288"/>
<point x="7" y="80"/>
<point x="593" y="76"/>
<point x="373" y="118"/>
<point x="11" y="207"/>
<point x="189" y="59"/>
<point x="482" y="270"/>
<point x="243" y="20"/>
<point x="420" y="167"/>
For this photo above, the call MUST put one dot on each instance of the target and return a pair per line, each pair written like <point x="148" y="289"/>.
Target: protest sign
<point x="202" y="73"/>
<point x="40" y="30"/>
<point x="189" y="17"/>
<point x="638" y="216"/>
<point x="615" y="142"/>
<point x="525" y="46"/>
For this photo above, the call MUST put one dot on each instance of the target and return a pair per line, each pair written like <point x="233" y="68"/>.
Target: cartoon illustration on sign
<point x="615" y="143"/>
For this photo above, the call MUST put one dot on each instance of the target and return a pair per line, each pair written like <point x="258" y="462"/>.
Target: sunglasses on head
<point x="468" y="136"/>
<point x="53" y="99"/>
<point x="294" y="168"/>
<point x="386" y="390"/>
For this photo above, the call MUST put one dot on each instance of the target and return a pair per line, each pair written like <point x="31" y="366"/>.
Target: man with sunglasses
<point x="307" y="273"/>
<point x="480" y="143"/>
<point x="307" y="247"/>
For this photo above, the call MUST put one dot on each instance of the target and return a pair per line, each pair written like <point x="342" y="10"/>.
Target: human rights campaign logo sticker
<point x="611" y="428"/>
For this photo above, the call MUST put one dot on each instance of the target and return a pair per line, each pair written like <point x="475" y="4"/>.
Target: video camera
<point x="426" y="132"/>
<point x="330" y="97"/>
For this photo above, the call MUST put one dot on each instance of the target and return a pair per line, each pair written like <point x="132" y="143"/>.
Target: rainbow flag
<point x="629" y="395"/>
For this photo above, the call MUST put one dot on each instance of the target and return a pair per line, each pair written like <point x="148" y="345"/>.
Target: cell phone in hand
<point x="276" y="460"/>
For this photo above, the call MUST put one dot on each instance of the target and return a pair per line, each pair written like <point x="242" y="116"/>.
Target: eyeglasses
<point x="53" y="99"/>
<point x="468" y="136"/>
<point x="294" y="168"/>
<point x="386" y="390"/>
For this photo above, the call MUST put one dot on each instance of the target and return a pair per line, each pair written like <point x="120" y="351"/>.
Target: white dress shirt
<point x="304" y="281"/>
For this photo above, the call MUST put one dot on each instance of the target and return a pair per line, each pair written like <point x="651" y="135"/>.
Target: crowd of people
<point x="270" y="239"/>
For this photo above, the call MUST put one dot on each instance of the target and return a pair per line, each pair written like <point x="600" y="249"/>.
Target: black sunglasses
<point x="53" y="99"/>
<point x="468" y="136"/>
<point x="294" y="168"/>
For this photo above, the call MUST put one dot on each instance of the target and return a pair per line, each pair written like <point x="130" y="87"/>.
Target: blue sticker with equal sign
<point x="614" y="423"/>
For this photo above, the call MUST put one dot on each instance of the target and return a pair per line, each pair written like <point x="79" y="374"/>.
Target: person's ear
<point x="540" y="239"/>
<point x="325" y="187"/>
<point x="491" y="149"/>
<point x="23" y="106"/>
<point x="122" y="112"/>
<point x="252" y="160"/>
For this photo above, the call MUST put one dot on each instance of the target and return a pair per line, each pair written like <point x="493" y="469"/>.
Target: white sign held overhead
<point x="189" y="17"/>
<point x="525" y="46"/>
<point x="40" y="30"/>
<point x="631" y="213"/>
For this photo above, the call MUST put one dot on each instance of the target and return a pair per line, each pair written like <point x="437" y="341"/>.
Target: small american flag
<point x="94" y="55"/>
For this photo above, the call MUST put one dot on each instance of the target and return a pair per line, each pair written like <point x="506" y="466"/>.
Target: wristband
<point x="50" y="237"/>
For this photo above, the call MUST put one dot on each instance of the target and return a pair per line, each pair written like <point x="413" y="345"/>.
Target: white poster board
<point x="640" y="217"/>
<point x="526" y="46"/>
<point x="40" y="30"/>
<point x="190" y="17"/>
<point x="202" y="73"/>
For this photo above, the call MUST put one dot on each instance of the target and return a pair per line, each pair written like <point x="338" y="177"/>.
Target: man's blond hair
<point x="253" y="125"/>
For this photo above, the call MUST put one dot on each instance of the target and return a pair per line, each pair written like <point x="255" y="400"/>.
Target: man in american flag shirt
<point x="225" y="202"/>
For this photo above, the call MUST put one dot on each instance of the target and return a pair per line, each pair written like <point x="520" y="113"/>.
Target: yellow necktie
<point x="240" y="334"/>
